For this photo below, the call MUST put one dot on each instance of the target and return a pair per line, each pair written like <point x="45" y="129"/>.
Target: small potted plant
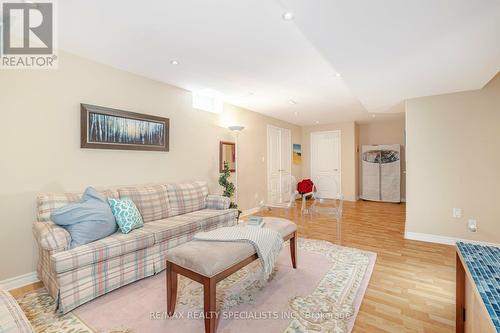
<point x="228" y="186"/>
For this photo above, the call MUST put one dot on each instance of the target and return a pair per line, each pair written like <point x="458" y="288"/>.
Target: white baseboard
<point x="442" y="239"/>
<point x="19" y="281"/>
<point x="250" y="211"/>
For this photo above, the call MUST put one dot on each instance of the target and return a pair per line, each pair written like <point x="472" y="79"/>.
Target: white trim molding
<point x="442" y="239"/>
<point x="19" y="281"/>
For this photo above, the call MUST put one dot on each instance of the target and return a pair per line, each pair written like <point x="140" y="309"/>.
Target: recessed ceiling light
<point x="288" y="16"/>
<point x="174" y="62"/>
<point x="291" y="101"/>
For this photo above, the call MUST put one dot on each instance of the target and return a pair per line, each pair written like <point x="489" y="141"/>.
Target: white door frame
<point x="268" y="153"/>
<point x="340" y="153"/>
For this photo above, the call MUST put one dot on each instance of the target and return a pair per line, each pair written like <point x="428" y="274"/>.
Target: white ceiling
<point x="386" y="51"/>
<point x="393" y="50"/>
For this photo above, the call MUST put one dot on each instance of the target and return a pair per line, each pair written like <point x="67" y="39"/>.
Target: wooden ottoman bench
<point x="209" y="262"/>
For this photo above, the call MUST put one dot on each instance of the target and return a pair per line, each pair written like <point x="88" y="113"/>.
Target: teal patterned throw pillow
<point x="126" y="214"/>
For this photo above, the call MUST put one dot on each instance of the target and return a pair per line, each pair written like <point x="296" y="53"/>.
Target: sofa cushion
<point x="173" y="227"/>
<point x="126" y="214"/>
<point x="88" y="220"/>
<point x="115" y="245"/>
<point x="212" y="218"/>
<point x="189" y="224"/>
<point x="151" y="201"/>
<point x="47" y="203"/>
<point x="187" y="197"/>
<point x="12" y="318"/>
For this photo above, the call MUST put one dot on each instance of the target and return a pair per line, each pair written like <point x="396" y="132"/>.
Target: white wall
<point x="453" y="160"/>
<point x="40" y="151"/>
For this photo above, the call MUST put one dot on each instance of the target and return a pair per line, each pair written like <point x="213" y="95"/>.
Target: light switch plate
<point x="457" y="213"/>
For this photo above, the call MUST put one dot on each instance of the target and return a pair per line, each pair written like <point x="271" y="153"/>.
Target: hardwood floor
<point x="412" y="288"/>
<point x="26" y="289"/>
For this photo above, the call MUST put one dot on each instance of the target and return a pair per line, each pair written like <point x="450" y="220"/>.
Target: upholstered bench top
<point x="210" y="258"/>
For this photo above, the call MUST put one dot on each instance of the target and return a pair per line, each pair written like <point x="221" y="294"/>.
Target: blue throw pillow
<point x="126" y="214"/>
<point x="88" y="220"/>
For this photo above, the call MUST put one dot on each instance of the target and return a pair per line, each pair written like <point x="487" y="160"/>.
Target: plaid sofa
<point x="172" y="213"/>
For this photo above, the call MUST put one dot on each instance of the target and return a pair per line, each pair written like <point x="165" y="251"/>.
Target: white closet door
<point x="286" y="161"/>
<point x="273" y="163"/>
<point x="279" y="151"/>
<point x="325" y="162"/>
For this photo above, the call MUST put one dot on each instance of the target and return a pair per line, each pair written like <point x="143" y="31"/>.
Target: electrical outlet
<point x="472" y="225"/>
<point x="457" y="213"/>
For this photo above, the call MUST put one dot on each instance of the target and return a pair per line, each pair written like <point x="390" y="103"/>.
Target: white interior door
<point x="325" y="162"/>
<point x="279" y="162"/>
<point x="273" y="163"/>
<point x="286" y="162"/>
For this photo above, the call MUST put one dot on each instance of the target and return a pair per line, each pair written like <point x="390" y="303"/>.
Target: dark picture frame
<point x="222" y="146"/>
<point x="107" y="128"/>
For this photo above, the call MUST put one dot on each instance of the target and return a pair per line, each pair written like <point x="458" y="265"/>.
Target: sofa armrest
<point x="51" y="237"/>
<point x="218" y="202"/>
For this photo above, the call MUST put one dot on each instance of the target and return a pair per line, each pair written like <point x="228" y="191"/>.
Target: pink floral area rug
<point x="322" y="295"/>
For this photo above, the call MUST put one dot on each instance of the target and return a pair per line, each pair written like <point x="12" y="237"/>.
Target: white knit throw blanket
<point x="267" y="242"/>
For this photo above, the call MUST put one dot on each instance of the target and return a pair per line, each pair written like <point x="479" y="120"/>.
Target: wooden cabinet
<point x="471" y="313"/>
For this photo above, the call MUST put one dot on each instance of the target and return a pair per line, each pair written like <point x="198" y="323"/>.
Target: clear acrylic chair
<point x="283" y="199"/>
<point x="327" y="201"/>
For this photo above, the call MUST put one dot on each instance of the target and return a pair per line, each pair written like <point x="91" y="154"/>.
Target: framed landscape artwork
<point x="105" y="128"/>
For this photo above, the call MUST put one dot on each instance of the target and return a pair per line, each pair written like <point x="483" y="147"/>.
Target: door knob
<point x="335" y="169"/>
